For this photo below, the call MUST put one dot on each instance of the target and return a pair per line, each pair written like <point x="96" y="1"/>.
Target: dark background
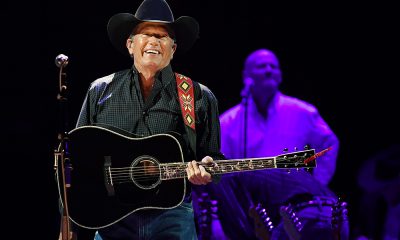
<point x="342" y="57"/>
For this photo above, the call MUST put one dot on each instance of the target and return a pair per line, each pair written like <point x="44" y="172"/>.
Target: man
<point x="144" y="100"/>
<point x="274" y="121"/>
<point x="263" y="125"/>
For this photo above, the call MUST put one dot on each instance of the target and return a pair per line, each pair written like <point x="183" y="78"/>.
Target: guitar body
<point x="99" y="197"/>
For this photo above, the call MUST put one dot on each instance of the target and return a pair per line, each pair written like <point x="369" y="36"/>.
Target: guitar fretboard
<point x="178" y="170"/>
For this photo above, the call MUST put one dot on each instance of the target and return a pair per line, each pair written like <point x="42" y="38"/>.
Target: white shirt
<point x="290" y="123"/>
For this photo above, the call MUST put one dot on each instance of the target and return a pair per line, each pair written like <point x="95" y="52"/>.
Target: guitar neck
<point x="178" y="170"/>
<point x="300" y="159"/>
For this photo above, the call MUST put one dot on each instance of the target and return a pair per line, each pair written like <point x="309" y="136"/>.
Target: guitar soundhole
<point x="145" y="172"/>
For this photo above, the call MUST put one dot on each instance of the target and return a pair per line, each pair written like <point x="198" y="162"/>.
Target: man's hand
<point x="198" y="174"/>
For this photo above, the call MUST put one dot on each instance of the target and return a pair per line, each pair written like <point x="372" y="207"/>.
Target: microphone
<point x="61" y="60"/>
<point x="245" y="93"/>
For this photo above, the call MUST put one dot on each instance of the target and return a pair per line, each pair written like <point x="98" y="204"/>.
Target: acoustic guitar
<point x="115" y="173"/>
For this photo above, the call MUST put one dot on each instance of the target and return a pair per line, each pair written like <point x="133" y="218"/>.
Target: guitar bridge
<point x="108" y="182"/>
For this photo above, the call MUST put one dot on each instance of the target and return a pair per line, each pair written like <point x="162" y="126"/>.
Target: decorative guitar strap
<point x="186" y="100"/>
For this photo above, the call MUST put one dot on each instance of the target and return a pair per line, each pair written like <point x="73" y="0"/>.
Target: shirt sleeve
<point x="88" y="109"/>
<point x="325" y="138"/>
<point x="84" y="115"/>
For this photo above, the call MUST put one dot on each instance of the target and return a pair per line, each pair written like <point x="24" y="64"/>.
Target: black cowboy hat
<point x="120" y="25"/>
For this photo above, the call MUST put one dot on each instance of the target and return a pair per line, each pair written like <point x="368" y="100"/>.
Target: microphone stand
<point x="62" y="164"/>
<point x="245" y="98"/>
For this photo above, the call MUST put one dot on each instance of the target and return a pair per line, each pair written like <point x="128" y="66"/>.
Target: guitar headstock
<point x="207" y="211"/>
<point x="263" y="225"/>
<point x="339" y="216"/>
<point x="298" y="159"/>
<point x="291" y="223"/>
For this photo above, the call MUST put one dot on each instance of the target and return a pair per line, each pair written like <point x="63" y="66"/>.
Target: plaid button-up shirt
<point x="117" y="100"/>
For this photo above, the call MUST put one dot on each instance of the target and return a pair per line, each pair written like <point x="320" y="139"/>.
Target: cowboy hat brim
<point x="120" y="26"/>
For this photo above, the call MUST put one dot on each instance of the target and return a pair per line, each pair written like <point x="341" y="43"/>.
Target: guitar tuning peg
<point x="285" y="150"/>
<point x="295" y="148"/>
<point x="258" y="206"/>
<point x="204" y="194"/>
<point x="299" y="226"/>
<point x="307" y="146"/>
<point x="214" y="209"/>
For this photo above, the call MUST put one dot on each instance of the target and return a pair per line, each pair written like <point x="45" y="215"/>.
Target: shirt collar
<point x="271" y="107"/>
<point x="166" y="75"/>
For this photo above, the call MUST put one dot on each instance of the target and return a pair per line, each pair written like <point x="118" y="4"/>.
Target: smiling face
<point x="262" y="70"/>
<point x="151" y="46"/>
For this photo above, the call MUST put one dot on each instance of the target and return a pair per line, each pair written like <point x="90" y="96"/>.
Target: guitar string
<point x="147" y="171"/>
<point x="180" y="170"/>
<point x="183" y="166"/>
<point x="231" y="164"/>
<point x="173" y="174"/>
